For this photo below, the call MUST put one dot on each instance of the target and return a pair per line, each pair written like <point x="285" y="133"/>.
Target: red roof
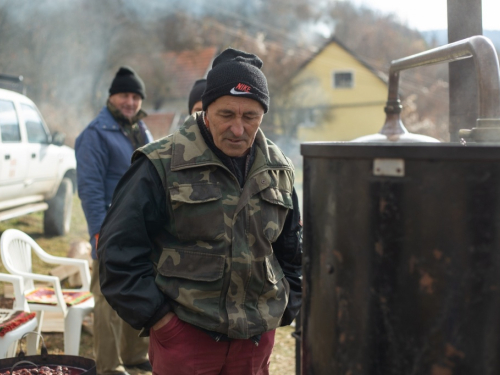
<point x="185" y="67"/>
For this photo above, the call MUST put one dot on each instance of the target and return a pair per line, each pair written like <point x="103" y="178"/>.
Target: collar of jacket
<point x="189" y="150"/>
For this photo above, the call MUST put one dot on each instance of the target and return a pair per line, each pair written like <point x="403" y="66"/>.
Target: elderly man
<point x="103" y="152"/>
<point x="201" y="247"/>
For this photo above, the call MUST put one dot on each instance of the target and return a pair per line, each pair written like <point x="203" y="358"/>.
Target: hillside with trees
<point x="68" y="51"/>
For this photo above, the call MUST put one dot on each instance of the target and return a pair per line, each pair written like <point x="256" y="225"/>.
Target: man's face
<point x="128" y="103"/>
<point x="198" y="106"/>
<point x="233" y="122"/>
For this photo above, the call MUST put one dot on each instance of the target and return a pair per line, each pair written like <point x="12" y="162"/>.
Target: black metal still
<point x="401" y="259"/>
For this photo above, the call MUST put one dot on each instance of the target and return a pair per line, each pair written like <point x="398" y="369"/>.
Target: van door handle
<point x="7" y="157"/>
<point x="33" y="156"/>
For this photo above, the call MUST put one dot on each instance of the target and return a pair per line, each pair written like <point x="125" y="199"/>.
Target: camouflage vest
<point x="217" y="263"/>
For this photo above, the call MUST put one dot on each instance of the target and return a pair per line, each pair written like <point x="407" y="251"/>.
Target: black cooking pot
<point x="76" y="365"/>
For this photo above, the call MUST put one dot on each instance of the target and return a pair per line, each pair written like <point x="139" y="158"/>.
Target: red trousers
<point x="178" y="348"/>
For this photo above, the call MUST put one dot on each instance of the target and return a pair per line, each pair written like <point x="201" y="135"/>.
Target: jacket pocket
<point x="274" y="297"/>
<point x="191" y="265"/>
<point x="198" y="211"/>
<point x="194" y="281"/>
<point x="274" y="208"/>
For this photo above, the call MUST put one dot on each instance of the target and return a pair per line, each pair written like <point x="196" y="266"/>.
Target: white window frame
<point x="343" y="71"/>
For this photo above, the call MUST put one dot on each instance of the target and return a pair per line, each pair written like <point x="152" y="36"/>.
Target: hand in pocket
<point x="163" y="321"/>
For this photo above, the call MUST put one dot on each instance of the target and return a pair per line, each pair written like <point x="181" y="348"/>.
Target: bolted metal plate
<point x="389" y="167"/>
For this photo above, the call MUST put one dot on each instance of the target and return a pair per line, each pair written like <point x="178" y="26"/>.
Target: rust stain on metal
<point x="426" y="282"/>
<point x="438" y="254"/>
<point x="338" y="255"/>
<point x="379" y="249"/>
<point x="451" y="351"/>
<point x="440" y="370"/>
<point x="342" y="338"/>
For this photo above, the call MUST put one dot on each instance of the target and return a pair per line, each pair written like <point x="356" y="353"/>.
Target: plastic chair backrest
<point x="15" y="249"/>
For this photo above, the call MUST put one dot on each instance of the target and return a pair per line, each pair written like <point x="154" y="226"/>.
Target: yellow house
<point x="334" y="96"/>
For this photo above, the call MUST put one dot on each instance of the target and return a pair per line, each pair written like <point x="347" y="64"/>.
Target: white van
<point x="37" y="172"/>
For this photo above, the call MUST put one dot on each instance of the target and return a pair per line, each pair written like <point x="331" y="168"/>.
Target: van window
<point x="9" y="124"/>
<point x="34" y="125"/>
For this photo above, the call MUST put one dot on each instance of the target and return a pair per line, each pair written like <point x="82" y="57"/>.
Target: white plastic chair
<point x="8" y="343"/>
<point x="15" y="249"/>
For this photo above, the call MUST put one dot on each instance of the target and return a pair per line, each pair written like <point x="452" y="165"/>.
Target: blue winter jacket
<point x="103" y="154"/>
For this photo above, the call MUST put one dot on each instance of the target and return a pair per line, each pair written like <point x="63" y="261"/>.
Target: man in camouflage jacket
<point x="201" y="247"/>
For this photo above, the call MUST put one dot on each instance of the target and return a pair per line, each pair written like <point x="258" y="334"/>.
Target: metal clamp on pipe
<point x="485" y="58"/>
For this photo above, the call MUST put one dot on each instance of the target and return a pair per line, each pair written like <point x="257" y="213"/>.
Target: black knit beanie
<point x="126" y="80"/>
<point x="196" y="93"/>
<point x="236" y="73"/>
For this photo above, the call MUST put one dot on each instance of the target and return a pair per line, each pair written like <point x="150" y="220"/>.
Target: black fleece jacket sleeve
<point x="288" y="251"/>
<point x="126" y="252"/>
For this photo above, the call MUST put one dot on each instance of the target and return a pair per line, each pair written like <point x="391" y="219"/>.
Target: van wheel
<point x="57" y="219"/>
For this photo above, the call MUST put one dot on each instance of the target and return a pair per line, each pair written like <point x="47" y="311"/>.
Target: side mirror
<point x="58" y="138"/>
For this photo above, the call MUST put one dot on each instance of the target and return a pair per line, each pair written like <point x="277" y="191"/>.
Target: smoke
<point x="157" y="9"/>
<point x="69" y="51"/>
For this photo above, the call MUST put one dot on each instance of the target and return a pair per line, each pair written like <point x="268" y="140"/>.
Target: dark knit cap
<point x="236" y="73"/>
<point x="196" y="93"/>
<point x="126" y="80"/>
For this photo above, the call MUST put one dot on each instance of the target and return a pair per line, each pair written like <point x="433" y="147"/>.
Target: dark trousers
<point x="181" y="349"/>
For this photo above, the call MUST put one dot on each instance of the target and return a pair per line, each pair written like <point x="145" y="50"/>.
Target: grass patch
<point x="283" y="357"/>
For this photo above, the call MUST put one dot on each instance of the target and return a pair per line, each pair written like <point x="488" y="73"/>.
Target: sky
<point x="430" y="14"/>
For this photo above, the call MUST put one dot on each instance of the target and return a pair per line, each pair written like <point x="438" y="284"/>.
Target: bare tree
<point x="69" y="51"/>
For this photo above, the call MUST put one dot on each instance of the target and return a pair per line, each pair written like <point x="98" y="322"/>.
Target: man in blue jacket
<point x="103" y="153"/>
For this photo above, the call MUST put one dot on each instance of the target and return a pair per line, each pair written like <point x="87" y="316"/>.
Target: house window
<point x="308" y="117"/>
<point x="305" y="117"/>
<point x="343" y="80"/>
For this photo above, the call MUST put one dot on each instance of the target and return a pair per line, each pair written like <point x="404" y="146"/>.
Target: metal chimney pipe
<point x="464" y="21"/>
<point x="485" y="60"/>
